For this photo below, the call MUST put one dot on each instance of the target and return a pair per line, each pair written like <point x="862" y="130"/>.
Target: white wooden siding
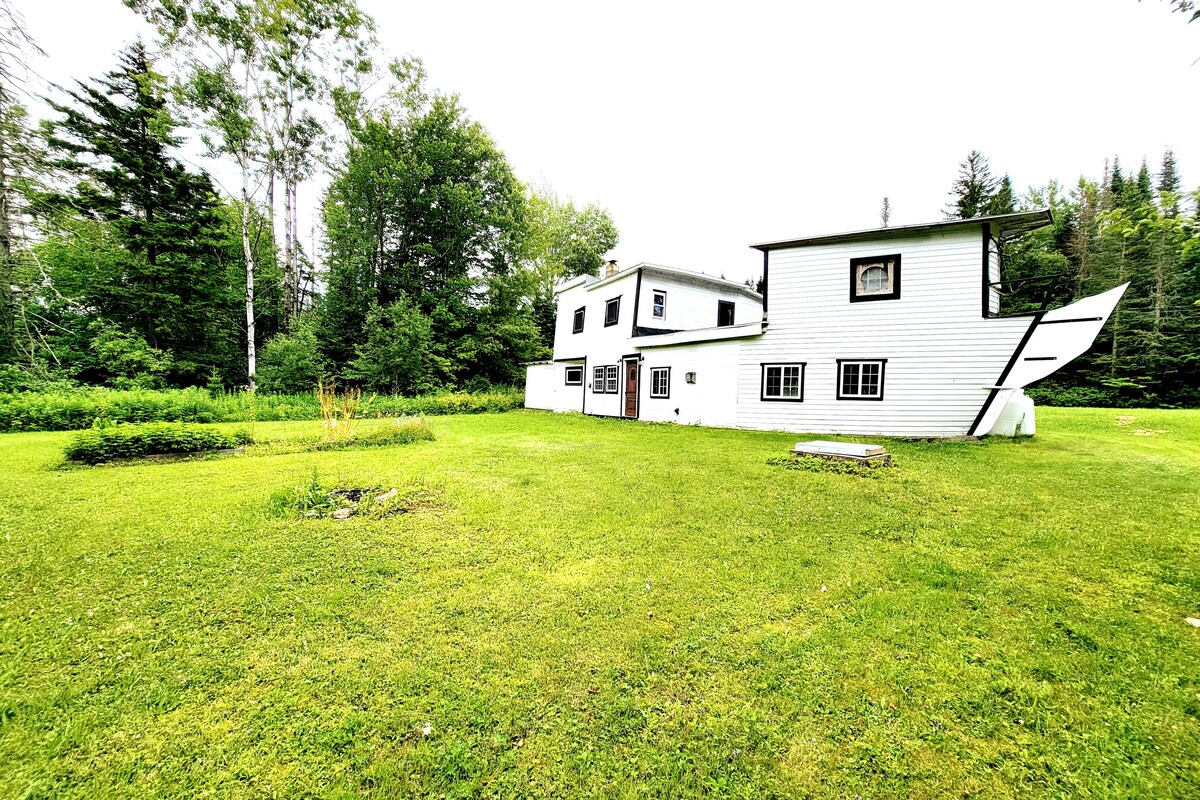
<point x="941" y="353"/>
<point x="711" y="400"/>
<point x="690" y="305"/>
<point x="596" y="340"/>
<point x="545" y="387"/>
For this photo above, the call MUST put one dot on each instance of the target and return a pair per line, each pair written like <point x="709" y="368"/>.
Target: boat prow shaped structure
<point x="1053" y="340"/>
<point x="902" y="331"/>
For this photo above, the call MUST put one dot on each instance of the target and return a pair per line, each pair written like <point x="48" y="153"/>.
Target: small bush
<point x="396" y="354"/>
<point x="17" y="379"/>
<point x="1050" y="394"/>
<point x="291" y="363"/>
<point x="110" y="443"/>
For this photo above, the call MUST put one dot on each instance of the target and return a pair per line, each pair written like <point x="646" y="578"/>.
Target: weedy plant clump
<point x="107" y="442"/>
<point x="320" y="498"/>
<point x="391" y="432"/>
<point x="339" y="410"/>
<point x="826" y="465"/>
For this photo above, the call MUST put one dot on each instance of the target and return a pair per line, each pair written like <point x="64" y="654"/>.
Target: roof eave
<point x="682" y="274"/>
<point x="1008" y="225"/>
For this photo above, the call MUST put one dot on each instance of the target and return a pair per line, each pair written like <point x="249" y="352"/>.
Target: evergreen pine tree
<point x="1142" y="190"/>
<point x="1003" y="201"/>
<point x="115" y="139"/>
<point x="1169" y="184"/>
<point x="1117" y="183"/>
<point x="973" y="188"/>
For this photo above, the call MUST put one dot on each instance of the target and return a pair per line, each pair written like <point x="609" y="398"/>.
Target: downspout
<point x="637" y="297"/>
<point x="987" y="269"/>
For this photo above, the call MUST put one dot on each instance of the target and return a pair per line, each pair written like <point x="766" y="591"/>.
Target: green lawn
<point x="610" y="609"/>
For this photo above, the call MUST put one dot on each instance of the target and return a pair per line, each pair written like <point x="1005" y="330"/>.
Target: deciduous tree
<point x="425" y="211"/>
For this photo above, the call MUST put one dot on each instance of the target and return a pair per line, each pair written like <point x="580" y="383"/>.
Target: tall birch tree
<point x="301" y="43"/>
<point x="16" y="154"/>
<point x="217" y="42"/>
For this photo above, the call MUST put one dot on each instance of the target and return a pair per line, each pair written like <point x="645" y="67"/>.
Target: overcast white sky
<point x="706" y="127"/>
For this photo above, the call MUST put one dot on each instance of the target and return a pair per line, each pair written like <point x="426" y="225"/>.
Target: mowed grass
<point x="600" y="608"/>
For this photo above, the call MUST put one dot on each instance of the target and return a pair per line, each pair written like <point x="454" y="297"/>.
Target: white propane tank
<point x="1017" y="418"/>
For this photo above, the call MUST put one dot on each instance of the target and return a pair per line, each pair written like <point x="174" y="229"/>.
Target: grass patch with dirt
<point x="589" y="607"/>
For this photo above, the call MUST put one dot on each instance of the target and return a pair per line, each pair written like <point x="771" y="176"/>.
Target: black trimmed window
<point x="875" y="278"/>
<point x="725" y="313"/>
<point x="612" y="312"/>
<point x="660" y="382"/>
<point x="860" y="380"/>
<point x="577" y="324"/>
<point x="597" y="380"/>
<point x="658" y="305"/>
<point x="783" y="382"/>
<point x="573" y="376"/>
<point x="612" y="374"/>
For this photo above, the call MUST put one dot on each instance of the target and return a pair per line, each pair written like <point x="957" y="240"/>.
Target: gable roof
<point x="1005" y="226"/>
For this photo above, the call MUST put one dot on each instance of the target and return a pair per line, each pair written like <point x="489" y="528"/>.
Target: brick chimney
<point x="611" y="269"/>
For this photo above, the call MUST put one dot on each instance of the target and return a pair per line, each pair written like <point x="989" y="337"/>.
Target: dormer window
<point x="659" y="309"/>
<point x="577" y="325"/>
<point x="875" y="278"/>
<point x="725" y="310"/>
<point x="612" y="311"/>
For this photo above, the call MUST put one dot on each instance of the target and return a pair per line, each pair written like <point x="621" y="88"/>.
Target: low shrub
<point x="114" y="442"/>
<point x="66" y="410"/>
<point x="1050" y="394"/>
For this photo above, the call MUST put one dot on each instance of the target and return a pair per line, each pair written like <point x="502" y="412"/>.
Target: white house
<point x="894" y="332"/>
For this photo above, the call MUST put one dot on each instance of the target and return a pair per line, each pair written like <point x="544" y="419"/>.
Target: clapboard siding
<point x="941" y="353"/>
<point x="596" y="339"/>
<point x="711" y="400"/>
<point x="691" y="306"/>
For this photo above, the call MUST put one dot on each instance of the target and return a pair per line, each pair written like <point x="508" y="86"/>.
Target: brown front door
<point x="631" y="380"/>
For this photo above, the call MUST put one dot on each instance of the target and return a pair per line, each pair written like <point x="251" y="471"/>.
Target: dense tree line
<point x="1137" y="227"/>
<point x="122" y="265"/>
